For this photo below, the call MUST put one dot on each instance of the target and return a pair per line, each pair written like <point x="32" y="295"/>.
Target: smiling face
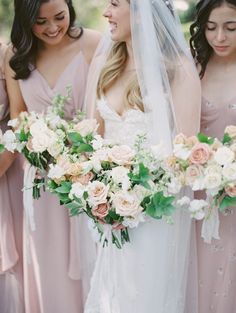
<point x="118" y="15"/>
<point x="221" y="30"/>
<point x="52" y="22"/>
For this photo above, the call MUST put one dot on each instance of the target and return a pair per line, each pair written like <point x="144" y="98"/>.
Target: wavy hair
<point x="25" y="43"/>
<point x="115" y="65"/>
<point x="200" y="48"/>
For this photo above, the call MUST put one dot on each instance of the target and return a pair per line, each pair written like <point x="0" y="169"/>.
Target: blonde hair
<point x="111" y="71"/>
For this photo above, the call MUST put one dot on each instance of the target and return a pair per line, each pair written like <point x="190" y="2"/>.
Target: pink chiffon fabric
<point x="217" y="261"/>
<point x="11" y="221"/>
<point x="53" y="269"/>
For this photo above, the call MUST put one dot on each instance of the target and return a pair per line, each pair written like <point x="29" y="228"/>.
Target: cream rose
<point x="77" y="190"/>
<point x="224" y="156"/>
<point x="101" y="210"/>
<point x="55" y="171"/>
<point x="229" y="171"/>
<point x="119" y="175"/>
<point x="86" y="127"/>
<point x="212" y="181"/>
<point x="121" y="155"/>
<point x="193" y="173"/>
<point x="97" y="193"/>
<point x="231" y="131"/>
<point x="127" y="204"/>
<point x="200" y="154"/>
<point x="84" y="179"/>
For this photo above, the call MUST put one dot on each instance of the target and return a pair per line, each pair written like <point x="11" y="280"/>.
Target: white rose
<point x="127" y="204"/>
<point x="77" y="190"/>
<point x="13" y="123"/>
<point x="174" y="186"/>
<point x="86" y="127"/>
<point x="121" y="155"/>
<point x="41" y="142"/>
<point x="9" y="141"/>
<point x="197" y="208"/>
<point x="212" y="181"/>
<point x="97" y="193"/>
<point x="133" y="222"/>
<point x="98" y="142"/>
<point x="181" y="151"/>
<point x="55" y="171"/>
<point x="229" y="171"/>
<point x="184" y="201"/>
<point x="38" y="127"/>
<point x="224" y="156"/>
<point x="55" y="149"/>
<point x="119" y="176"/>
<point x="213" y="169"/>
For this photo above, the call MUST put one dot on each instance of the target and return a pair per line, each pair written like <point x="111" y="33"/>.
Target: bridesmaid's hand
<point x="6" y="160"/>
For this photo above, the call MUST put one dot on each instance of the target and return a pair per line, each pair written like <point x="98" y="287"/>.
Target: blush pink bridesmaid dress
<point x="55" y="272"/>
<point x="11" y="221"/>
<point x="217" y="261"/>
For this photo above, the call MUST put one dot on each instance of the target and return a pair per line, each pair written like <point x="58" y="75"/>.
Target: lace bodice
<point x="122" y="129"/>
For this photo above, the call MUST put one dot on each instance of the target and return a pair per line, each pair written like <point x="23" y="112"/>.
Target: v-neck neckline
<point x="52" y="88"/>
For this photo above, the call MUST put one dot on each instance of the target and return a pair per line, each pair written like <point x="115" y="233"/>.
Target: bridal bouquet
<point x="210" y="165"/>
<point x="116" y="186"/>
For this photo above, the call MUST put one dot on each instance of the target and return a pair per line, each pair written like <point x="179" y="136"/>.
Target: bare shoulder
<point x="91" y="39"/>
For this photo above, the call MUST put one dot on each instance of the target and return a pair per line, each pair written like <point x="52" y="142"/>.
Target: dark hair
<point x="200" y="48"/>
<point x="25" y="43"/>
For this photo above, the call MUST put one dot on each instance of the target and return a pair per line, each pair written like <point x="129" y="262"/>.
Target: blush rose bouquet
<point x="117" y="186"/>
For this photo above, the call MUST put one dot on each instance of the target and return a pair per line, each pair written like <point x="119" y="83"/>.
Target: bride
<point x="144" y="83"/>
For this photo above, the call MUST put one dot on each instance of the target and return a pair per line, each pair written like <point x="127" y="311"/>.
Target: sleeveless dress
<point x="217" y="261"/>
<point x="133" y="279"/>
<point x="11" y="221"/>
<point x="53" y="269"/>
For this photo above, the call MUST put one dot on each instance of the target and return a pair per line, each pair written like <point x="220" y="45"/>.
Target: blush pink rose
<point x="200" y="154"/>
<point x="100" y="210"/>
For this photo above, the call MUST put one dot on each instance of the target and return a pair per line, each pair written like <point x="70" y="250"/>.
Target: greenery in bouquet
<point x="116" y="186"/>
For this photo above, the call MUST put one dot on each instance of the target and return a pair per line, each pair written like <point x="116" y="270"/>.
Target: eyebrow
<point x="229" y="22"/>
<point x="44" y="18"/>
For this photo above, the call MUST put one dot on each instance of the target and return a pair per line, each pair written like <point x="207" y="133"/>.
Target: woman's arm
<point x="186" y="93"/>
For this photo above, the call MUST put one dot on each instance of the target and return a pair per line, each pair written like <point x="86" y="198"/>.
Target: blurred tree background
<point x="89" y="14"/>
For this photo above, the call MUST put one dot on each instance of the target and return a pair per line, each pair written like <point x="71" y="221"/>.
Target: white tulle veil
<point x="170" y="90"/>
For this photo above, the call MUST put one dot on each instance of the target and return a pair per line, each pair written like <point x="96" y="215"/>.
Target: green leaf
<point x="226" y="202"/>
<point x="142" y="177"/>
<point x="1" y="148"/>
<point x="114" y="215"/>
<point x="226" y="139"/>
<point x="64" y="188"/>
<point x="23" y="136"/>
<point x="84" y="147"/>
<point x="75" y="138"/>
<point x="205" y="139"/>
<point x="160" y="206"/>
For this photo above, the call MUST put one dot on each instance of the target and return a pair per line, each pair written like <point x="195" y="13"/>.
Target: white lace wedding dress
<point x="148" y="274"/>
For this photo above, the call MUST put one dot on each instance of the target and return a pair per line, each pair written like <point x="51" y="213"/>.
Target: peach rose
<point x="121" y="155"/>
<point x="84" y="179"/>
<point x="200" y="153"/>
<point x="101" y="210"/>
<point x="231" y="190"/>
<point x="191" y="141"/>
<point x="86" y="127"/>
<point x="180" y="139"/>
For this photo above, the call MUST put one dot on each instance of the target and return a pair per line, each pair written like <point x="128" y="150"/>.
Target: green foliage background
<point x="89" y="14"/>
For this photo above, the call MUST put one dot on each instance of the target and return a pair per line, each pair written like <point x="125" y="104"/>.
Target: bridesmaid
<point x="50" y="53"/>
<point x="11" y="216"/>
<point x="213" y="44"/>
